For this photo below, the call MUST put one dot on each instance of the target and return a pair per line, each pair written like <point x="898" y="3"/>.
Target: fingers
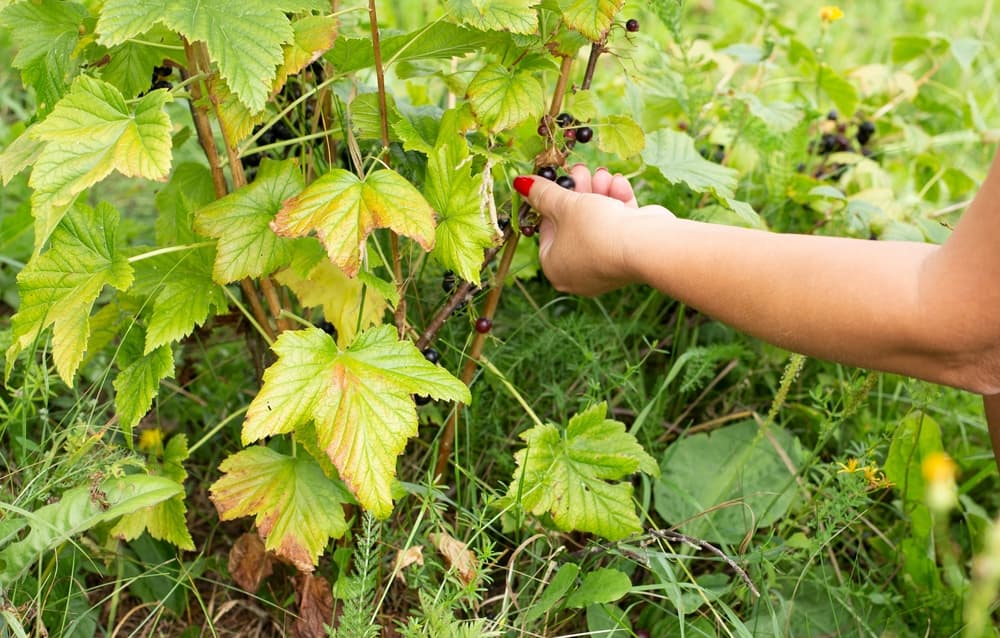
<point x="548" y="198"/>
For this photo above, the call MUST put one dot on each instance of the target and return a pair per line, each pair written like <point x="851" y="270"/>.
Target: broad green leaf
<point x="592" y="18"/>
<point x="183" y="296"/>
<point x="139" y="378"/>
<point x="34" y="26"/>
<point x="19" y="155"/>
<point x="166" y="520"/>
<point x="90" y="133"/>
<point x="513" y="16"/>
<point x="50" y="75"/>
<point x="189" y="189"/>
<point x="313" y="36"/>
<point x="243" y="38"/>
<point x="441" y="40"/>
<point x="673" y="154"/>
<point x="917" y="437"/>
<point x="347" y="302"/>
<point x="359" y="397"/>
<point x="621" y="135"/>
<point x="560" y="584"/>
<point x="130" y="64"/>
<point x="296" y="507"/>
<point x="241" y="222"/>
<point x="236" y="118"/>
<point x="457" y="194"/>
<point x="839" y="89"/>
<point x="780" y="117"/>
<point x="344" y="210"/>
<point x="746" y="472"/>
<point x="566" y="473"/>
<point x="80" y="509"/>
<point x="59" y="287"/>
<point x="604" y="585"/>
<point x="502" y="98"/>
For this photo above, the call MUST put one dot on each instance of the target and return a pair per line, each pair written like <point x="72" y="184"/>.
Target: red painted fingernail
<point x="523" y="184"/>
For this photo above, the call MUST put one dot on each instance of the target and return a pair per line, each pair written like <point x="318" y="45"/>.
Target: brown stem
<point x="557" y="96"/>
<point x="472" y="362"/>
<point x="596" y="49"/>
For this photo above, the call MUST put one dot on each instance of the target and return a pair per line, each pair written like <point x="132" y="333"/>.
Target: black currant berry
<point x="827" y="144"/>
<point x="484" y="325"/>
<point x="421" y="399"/>
<point x="448" y="281"/>
<point x="161" y="72"/>
<point x="865" y="131"/>
<point x="548" y="172"/>
<point x="584" y="134"/>
<point x="543" y="131"/>
<point x="564" y="120"/>
<point x="632" y="25"/>
<point x="529" y="231"/>
<point x="161" y="84"/>
<point x="843" y="144"/>
<point x="431" y="354"/>
<point x="569" y="134"/>
<point x="566" y="182"/>
<point x="833" y="116"/>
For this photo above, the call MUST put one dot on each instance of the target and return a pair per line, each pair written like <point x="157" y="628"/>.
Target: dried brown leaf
<point x="315" y="598"/>
<point x="405" y="558"/>
<point x="458" y="555"/>
<point x="249" y="562"/>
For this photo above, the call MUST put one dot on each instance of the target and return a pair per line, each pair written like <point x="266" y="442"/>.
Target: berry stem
<point x="596" y="49"/>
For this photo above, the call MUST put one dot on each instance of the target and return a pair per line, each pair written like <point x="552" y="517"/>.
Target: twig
<point x="697" y="543"/>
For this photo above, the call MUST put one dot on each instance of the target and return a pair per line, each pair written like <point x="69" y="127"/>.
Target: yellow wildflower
<point x="939" y="471"/>
<point x="875" y="478"/>
<point x="830" y="13"/>
<point x="151" y="441"/>
<point x="848" y="468"/>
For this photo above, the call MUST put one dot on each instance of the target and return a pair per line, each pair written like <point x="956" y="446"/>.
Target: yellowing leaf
<point x="314" y="35"/>
<point x="344" y="209"/>
<point x="236" y="118"/>
<point x="60" y="286"/>
<point x="295" y="505"/>
<point x="567" y="473"/>
<point x="502" y="99"/>
<point x="592" y="18"/>
<point x="343" y="299"/>
<point x="515" y="16"/>
<point x="359" y="397"/>
<point x="90" y="133"/>
<point x="241" y="221"/>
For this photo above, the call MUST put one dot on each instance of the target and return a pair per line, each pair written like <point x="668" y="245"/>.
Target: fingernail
<point x="523" y="184"/>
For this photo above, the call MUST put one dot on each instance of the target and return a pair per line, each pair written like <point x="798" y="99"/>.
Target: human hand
<point x="583" y="235"/>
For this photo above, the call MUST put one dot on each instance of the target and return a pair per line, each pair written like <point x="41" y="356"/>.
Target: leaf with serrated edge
<point x="90" y="133"/>
<point x="33" y="26"/>
<point x="166" y="520"/>
<point x="674" y="155"/>
<point x="295" y="505"/>
<point x="241" y="222"/>
<point x="236" y="118"/>
<point x="567" y="475"/>
<point x="360" y="399"/>
<point x="60" y="286"/>
<point x="314" y="35"/>
<point x="502" y="99"/>
<point x="343" y="298"/>
<point x="462" y="231"/>
<point x="344" y="209"/>
<point x="592" y="18"/>
<point x="621" y="135"/>
<point x="514" y="16"/>
<point x="137" y="384"/>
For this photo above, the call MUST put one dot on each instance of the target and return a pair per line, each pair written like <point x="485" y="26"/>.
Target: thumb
<point x="545" y="196"/>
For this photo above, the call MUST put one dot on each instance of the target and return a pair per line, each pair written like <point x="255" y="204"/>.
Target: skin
<point x="922" y="310"/>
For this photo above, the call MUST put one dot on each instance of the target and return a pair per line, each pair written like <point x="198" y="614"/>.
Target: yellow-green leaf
<point x="90" y="133"/>
<point x="241" y="221"/>
<point x="60" y="286"/>
<point x="313" y="36"/>
<point x="592" y="18"/>
<point x="621" y="135"/>
<point x="502" y="98"/>
<point x="344" y="210"/>
<point x="359" y="398"/>
<point x="515" y="16"/>
<point x="297" y="509"/>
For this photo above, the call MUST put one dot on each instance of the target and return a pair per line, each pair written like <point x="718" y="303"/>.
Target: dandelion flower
<point x="830" y="13"/>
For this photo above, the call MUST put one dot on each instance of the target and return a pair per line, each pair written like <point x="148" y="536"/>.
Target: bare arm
<point x="931" y="312"/>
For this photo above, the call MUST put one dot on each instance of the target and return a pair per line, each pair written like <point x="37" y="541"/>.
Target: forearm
<point x="858" y="302"/>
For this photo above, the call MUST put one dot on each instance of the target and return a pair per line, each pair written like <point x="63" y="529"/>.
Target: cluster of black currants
<point x="571" y="131"/>
<point x="834" y="139"/>
<point x="278" y="132"/>
<point x="161" y="78"/>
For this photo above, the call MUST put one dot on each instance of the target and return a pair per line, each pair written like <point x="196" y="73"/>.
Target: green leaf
<point x="592" y="18"/>
<point x="621" y="135"/>
<point x="565" y="473"/>
<point x="514" y="16"/>
<point x="674" y="155"/>
<point x="360" y="399"/>
<point x="917" y="437"/>
<point x="441" y="40"/>
<point x="462" y="200"/>
<point x="189" y="189"/>
<point x="241" y="222"/>
<point x="296" y="507"/>
<point x="503" y="98"/>
<point x="130" y="64"/>
<point x="138" y="378"/>
<point x="183" y="295"/>
<point x="243" y="38"/>
<point x="746" y="472"/>
<point x="34" y="26"/>
<point x="561" y="583"/>
<point x="780" y="117"/>
<point x="604" y="585"/>
<point x="19" y="155"/>
<point x="312" y="36"/>
<point x="80" y="509"/>
<point x="236" y="118"/>
<point x="344" y="210"/>
<point x="167" y="520"/>
<point x="90" y="133"/>
<point x="59" y="287"/>
<point x="839" y="89"/>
